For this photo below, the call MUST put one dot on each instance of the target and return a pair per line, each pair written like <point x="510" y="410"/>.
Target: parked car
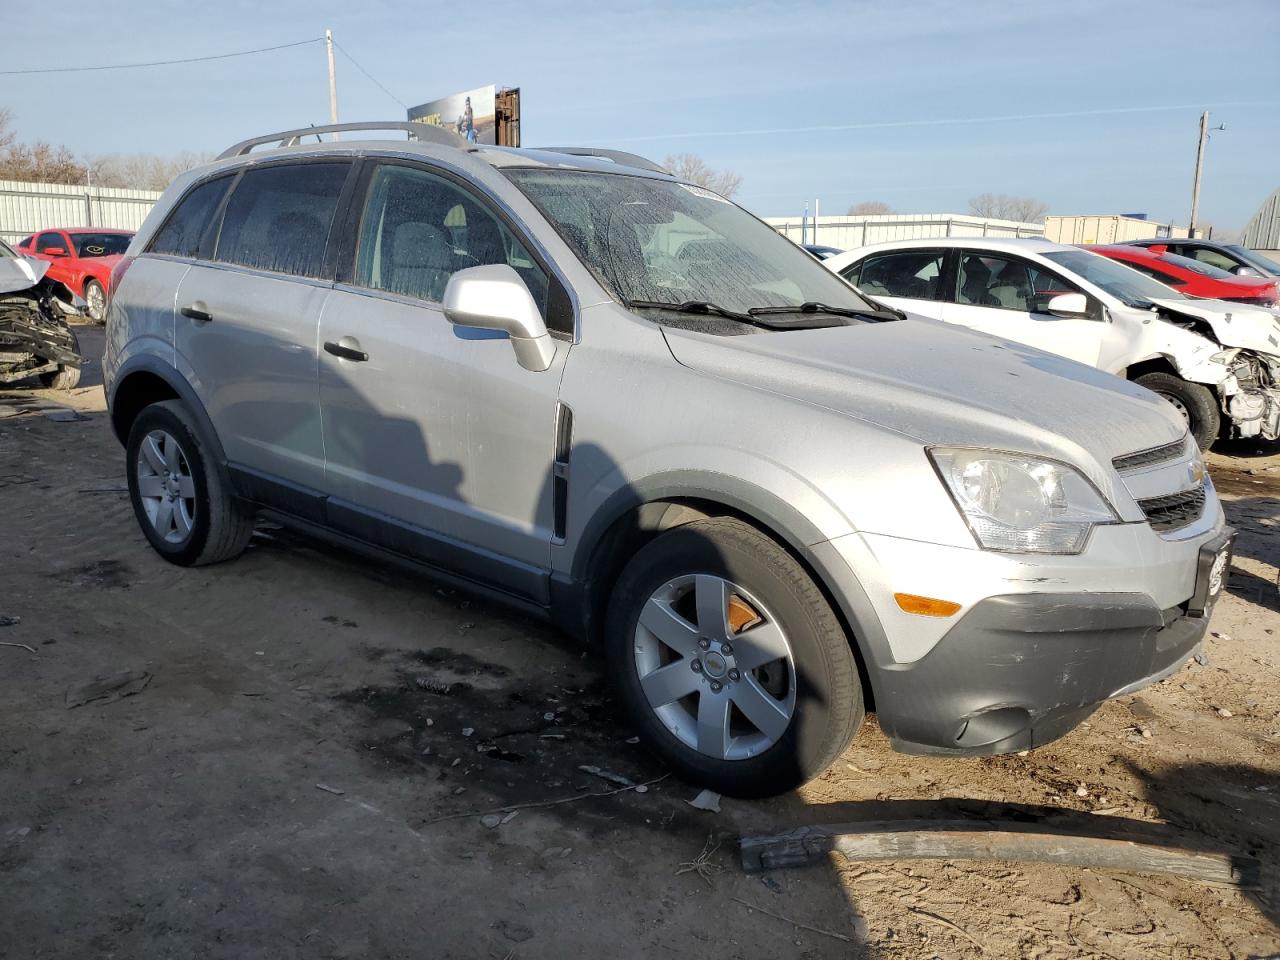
<point x="82" y="258"/>
<point x="1218" y="363"/>
<point x="1233" y="257"/>
<point x="35" y="339"/>
<point x="1192" y="278"/>
<point x="820" y="251"/>
<point x="569" y="381"/>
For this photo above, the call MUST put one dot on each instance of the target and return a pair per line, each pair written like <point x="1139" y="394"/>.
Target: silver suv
<point x="617" y="400"/>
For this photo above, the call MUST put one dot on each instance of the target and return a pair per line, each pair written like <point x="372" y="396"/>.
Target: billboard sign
<point x="470" y="114"/>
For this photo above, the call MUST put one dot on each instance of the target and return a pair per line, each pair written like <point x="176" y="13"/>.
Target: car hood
<point x="19" y="273"/>
<point x="942" y="384"/>
<point x="1234" y="325"/>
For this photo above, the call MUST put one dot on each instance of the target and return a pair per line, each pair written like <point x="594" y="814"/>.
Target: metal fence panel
<point x="849" y="232"/>
<point x="28" y="207"/>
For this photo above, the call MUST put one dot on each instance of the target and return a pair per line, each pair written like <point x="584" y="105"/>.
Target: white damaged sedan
<point x="1218" y="363"/>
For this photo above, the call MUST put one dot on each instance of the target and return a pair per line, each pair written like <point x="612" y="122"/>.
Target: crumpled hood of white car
<point x="19" y="273"/>
<point x="1234" y="324"/>
<point x="943" y="384"/>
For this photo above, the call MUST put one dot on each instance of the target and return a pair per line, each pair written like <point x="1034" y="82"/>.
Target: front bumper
<point x="1021" y="670"/>
<point x="1018" y="670"/>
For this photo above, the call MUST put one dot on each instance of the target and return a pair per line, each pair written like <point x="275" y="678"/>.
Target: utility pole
<point x="333" y="87"/>
<point x="815" y="220"/>
<point x="1195" y="190"/>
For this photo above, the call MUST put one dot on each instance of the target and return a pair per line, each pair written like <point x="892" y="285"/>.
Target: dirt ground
<point x="303" y="770"/>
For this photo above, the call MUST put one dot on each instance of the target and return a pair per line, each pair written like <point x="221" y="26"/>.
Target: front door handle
<point x="348" y="348"/>
<point x="197" y="311"/>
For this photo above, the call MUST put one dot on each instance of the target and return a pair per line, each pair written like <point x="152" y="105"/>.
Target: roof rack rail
<point x="291" y="138"/>
<point x="617" y="156"/>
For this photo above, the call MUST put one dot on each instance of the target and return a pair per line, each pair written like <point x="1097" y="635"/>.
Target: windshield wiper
<point x="705" y="307"/>
<point x="811" y="306"/>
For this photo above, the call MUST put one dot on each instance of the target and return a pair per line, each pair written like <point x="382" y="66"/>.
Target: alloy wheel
<point x="166" y="487"/>
<point x="715" y="666"/>
<point x="96" y="299"/>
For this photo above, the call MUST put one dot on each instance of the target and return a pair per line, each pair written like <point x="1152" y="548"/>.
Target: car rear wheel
<point x="730" y="661"/>
<point x="180" y="494"/>
<point x="1195" y="401"/>
<point x="96" y="299"/>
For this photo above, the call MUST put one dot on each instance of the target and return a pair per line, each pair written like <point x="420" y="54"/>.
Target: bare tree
<point x="6" y="135"/>
<point x="693" y="169"/>
<point x="869" y="208"/>
<point x="143" y="171"/>
<point x="1001" y="206"/>
<point x="41" y="163"/>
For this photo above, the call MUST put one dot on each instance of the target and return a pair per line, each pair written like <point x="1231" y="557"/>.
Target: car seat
<point x="422" y="260"/>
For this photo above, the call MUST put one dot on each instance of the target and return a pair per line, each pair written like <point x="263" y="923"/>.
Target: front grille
<point x="1175" y="511"/>
<point x="1145" y="458"/>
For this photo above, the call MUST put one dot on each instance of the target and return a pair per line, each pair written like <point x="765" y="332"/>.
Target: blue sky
<point x="843" y="101"/>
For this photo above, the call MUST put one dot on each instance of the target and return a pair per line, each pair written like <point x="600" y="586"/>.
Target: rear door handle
<point x="197" y="311"/>
<point x="348" y="348"/>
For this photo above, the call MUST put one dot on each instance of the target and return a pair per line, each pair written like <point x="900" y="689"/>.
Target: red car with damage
<point x="82" y="258"/>
<point x="1192" y="277"/>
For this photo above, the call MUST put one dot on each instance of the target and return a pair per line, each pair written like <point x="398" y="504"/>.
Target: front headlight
<point x="1021" y="504"/>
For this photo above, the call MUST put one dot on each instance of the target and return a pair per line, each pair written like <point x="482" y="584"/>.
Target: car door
<point x="437" y="442"/>
<point x="245" y="325"/>
<point x="1007" y="296"/>
<point x="912" y="280"/>
<point x="54" y="248"/>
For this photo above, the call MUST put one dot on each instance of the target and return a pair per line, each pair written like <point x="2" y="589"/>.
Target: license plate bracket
<point x="1213" y="566"/>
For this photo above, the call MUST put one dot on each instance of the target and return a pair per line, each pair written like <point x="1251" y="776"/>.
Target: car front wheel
<point x="1195" y="401"/>
<point x="95" y="298"/>
<point x="730" y="660"/>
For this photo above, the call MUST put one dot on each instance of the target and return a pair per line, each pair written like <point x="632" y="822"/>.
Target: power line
<point x="165" y="63"/>
<point x="370" y="75"/>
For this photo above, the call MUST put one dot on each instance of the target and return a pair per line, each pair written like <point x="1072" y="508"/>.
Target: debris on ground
<point x="795" y="923"/>
<point x="22" y="645"/>
<point x="707" y="800"/>
<point x="328" y="789"/>
<point x="617" y="778"/>
<point x="108" y="689"/>
<point x="1224" y="713"/>
<point x="9" y="621"/>
<point x="702" y="864"/>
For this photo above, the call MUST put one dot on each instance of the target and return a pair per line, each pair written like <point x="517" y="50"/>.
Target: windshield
<point x="100" y="244"/>
<point x="666" y="242"/>
<point x="1255" y="259"/>
<point x="1130" y="287"/>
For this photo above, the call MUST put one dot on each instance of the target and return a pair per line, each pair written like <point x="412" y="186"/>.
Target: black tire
<point x="829" y="707"/>
<point x="92" y="286"/>
<point x="1196" y="402"/>
<point x="221" y="526"/>
<point x="64" y="378"/>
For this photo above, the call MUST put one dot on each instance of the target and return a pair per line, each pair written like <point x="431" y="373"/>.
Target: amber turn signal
<point x="925" y="606"/>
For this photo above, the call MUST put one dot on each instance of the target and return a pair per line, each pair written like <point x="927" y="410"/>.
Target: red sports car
<point x="1192" y="277"/>
<point x="82" y="258"/>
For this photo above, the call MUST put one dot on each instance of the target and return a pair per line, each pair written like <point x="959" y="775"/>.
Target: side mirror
<point x="1068" y="305"/>
<point x="1243" y="271"/>
<point x="495" y="298"/>
<point x="54" y="251"/>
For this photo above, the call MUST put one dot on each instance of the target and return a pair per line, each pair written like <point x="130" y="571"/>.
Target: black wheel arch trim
<point x="773" y="514"/>
<point x="149" y="363"/>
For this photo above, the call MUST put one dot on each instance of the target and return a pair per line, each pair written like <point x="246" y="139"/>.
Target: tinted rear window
<point x="279" y="217"/>
<point x="180" y="236"/>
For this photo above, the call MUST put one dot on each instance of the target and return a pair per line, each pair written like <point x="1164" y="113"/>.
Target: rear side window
<point x="181" y="233"/>
<point x="1211" y="257"/>
<point x="914" y="273"/>
<point x="278" y="217"/>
